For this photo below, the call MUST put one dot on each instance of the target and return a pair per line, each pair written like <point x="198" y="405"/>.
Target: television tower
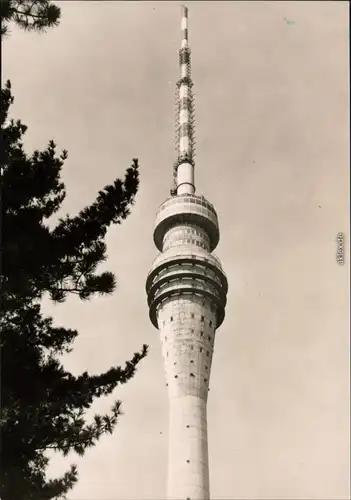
<point x="186" y="290"/>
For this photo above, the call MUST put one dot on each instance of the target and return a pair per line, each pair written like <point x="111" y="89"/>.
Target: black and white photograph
<point x="174" y="250"/>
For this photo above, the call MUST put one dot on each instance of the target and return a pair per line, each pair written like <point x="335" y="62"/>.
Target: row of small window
<point x="203" y="303"/>
<point x="174" y="287"/>
<point x="192" y="280"/>
<point x="192" y="316"/>
<point x="194" y="242"/>
<point x="191" y="375"/>
<point x="179" y="270"/>
<point x="196" y="232"/>
<point x="170" y="269"/>
<point x="188" y="230"/>
<point x="183" y="292"/>
<point x="186" y="241"/>
<point x="192" y="348"/>
<point x="189" y="209"/>
<point x="182" y="241"/>
<point x="193" y="331"/>
<point x="195" y="201"/>
<point x="179" y="234"/>
<point x="179" y="291"/>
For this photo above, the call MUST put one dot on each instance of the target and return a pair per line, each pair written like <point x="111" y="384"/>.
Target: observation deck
<point x="189" y="209"/>
<point x="185" y="265"/>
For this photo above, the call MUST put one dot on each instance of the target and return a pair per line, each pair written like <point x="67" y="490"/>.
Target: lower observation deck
<point x="186" y="270"/>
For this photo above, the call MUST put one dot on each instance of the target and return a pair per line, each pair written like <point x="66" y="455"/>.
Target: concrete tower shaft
<point x="187" y="290"/>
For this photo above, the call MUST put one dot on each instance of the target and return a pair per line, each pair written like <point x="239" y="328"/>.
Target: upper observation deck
<point x="190" y="209"/>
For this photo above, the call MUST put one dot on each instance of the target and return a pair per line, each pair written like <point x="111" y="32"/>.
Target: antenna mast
<point x="183" y="171"/>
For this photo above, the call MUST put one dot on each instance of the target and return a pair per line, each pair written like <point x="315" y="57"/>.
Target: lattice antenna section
<point x="184" y="106"/>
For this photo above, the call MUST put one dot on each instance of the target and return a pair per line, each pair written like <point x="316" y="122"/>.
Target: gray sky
<point x="272" y="92"/>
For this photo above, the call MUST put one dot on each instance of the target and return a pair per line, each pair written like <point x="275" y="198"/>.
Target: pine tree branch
<point x="43" y="405"/>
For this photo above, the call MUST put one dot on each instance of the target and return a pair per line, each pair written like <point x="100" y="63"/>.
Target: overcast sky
<point x="272" y="100"/>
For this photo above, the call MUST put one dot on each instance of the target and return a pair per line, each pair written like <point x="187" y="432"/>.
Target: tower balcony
<point x="186" y="270"/>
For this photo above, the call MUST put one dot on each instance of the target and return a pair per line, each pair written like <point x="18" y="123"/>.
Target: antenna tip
<point x="184" y="11"/>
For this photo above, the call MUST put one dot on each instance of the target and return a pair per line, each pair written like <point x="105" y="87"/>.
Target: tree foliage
<point x="30" y="15"/>
<point x="44" y="406"/>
